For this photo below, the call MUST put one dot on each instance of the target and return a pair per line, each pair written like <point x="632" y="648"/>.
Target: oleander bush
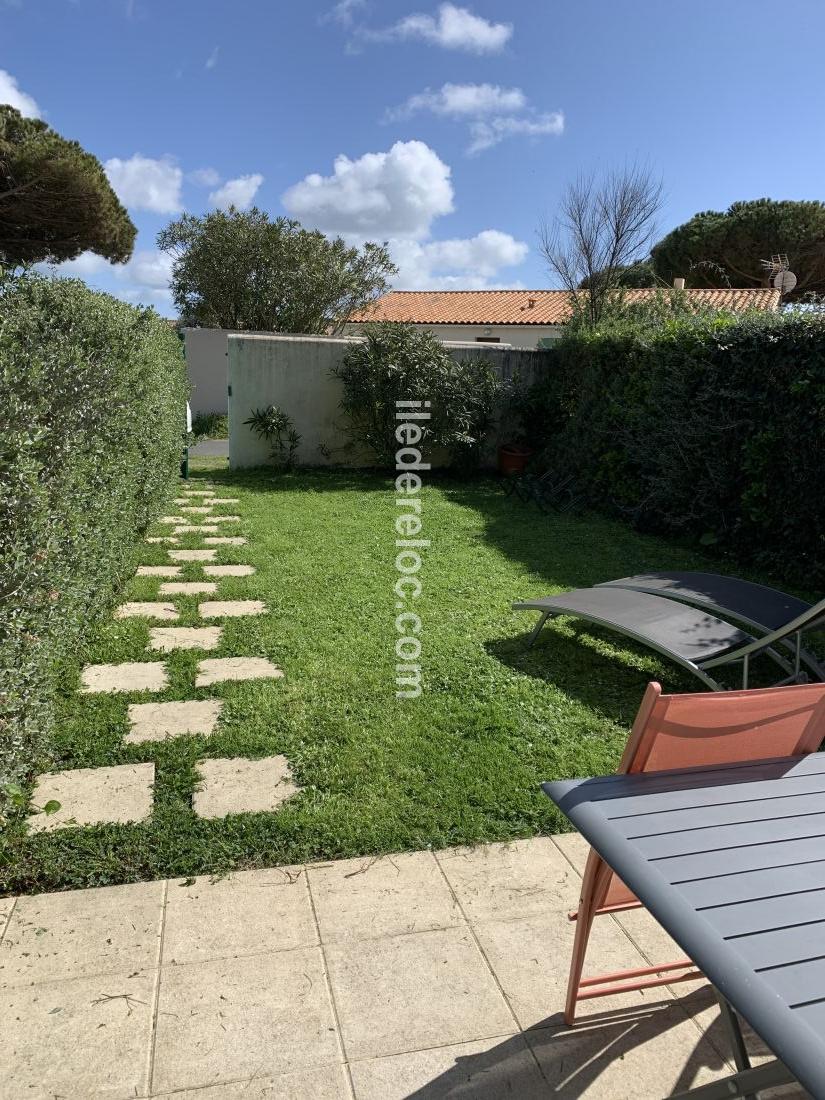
<point x="709" y="427"/>
<point x="92" y="423"/>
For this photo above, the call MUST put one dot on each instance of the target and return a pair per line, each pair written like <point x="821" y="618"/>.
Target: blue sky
<point x="448" y="129"/>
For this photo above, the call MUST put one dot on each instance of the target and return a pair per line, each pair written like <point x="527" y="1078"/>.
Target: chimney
<point x="531" y="303"/>
<point x="678" y="284"/>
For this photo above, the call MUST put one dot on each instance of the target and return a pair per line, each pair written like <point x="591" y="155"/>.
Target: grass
<point x="462" y="763"/>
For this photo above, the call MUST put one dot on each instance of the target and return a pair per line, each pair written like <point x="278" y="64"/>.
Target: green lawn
<point x="462" y="763"/>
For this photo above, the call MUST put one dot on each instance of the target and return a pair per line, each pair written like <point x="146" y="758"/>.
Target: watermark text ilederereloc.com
<point x="408" y="464"/>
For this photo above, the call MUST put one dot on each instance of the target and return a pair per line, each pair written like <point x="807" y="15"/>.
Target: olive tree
<point x="241" y="270"/>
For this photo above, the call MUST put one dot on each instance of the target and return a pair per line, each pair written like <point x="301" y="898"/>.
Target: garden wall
<point x="295" y="372"/>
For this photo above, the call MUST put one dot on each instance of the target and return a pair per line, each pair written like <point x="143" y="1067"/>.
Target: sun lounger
<point x="692" y="637"/>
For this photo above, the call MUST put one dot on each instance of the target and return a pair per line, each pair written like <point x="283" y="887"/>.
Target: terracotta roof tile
<point x="513" y="307"/>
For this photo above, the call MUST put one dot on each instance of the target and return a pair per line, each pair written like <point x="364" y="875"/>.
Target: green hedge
<point x="709" y="427"/>
<point x="91" y="430"/>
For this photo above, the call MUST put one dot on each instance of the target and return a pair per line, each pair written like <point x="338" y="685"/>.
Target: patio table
<point x="731" y="862"/>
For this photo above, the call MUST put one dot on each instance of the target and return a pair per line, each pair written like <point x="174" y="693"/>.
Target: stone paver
<point x="188" y="588"/>
<point x="172" y="519"/>
<point x="492" y="1069"/>
<point x="92" y="796"/>
<point x="234" y="1018"/>
<point x="427" y="1004"/>
<point x="227" y="609"/>
<point x="241" y="786"/>
<point x="224" y="500"/>
<point x="410" y="992"/>
<point x="163" y="538"/>
<point x="198" y="492"/>
<point x="357" y="899"/>
<point x="184" y="637"/>
<point x="82" y="1037"/>
<point x="225" y="519"/>
<point x="82" y="932"/>
<point x="229" y="570"/>
<point x="243" y="914"/>
<point x="158" y="571"/>
<point x="195" y="529"/>
<point x="228" y="540"/>
<point x="146" y="610"/>
<point x="159" y="721"/>
<point x="216" y="669"/>
<point x="198" y="509"/>
<point x="128" y="676"/>
<point x="192" y="555"/>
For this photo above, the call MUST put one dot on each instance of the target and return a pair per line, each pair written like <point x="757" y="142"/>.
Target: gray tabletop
<point x="731" y="862"/>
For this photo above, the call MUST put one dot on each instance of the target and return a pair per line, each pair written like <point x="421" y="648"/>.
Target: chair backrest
<point x="724" y="727"/>
<point x="718" y="727"/>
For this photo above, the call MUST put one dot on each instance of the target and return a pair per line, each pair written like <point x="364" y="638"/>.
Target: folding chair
<point x="673" y="732"/>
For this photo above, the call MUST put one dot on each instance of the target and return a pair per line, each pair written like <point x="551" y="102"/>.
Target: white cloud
<point x="453" y="28"/>
<point x="212" y="60"/>
<point x="393" y="194"/>
<point x="343" y="12"/>
<point x="464" y="101"/>
<point x="11" y="94"/>
<point x="143" y="280"/>
<point x="146" y="184"/>
<point x="238" y="192"/>
<point x="204" y="177"/>
<point x="458" y="264"/>
<point x="149" y="268"/>
<point x="489" y="132"/>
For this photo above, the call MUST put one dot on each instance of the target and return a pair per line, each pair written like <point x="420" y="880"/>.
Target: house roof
<point x="513" y="307"/>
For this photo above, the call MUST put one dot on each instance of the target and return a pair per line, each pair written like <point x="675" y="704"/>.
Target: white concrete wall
<point x="295" y="373"/>
<point x="517" y="336"/>
<point x="206" y="367"/>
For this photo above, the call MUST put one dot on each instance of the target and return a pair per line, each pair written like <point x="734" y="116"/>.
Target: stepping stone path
<point x="184" y="637"/>
<point x="240" y="786"/>
<point x="230" y="609"/>
<point x="188" y="588"/>
<point x="129" y="676"/>
<point x="93" y="796"/>
<point x="216" y="669"/>
<point x="146" y="611"/>
<point x="160" y="721"/>
<point x="124" y="793"/>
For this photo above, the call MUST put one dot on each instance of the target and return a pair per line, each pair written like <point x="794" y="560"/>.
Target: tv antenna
<point x="778" y="272"/>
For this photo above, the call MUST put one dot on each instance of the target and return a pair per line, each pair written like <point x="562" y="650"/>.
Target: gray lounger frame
<point x="743" y="611"/>
<point x="744" y="653"/>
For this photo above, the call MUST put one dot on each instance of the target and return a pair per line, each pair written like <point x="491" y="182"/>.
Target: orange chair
<point x="673" y="732"/>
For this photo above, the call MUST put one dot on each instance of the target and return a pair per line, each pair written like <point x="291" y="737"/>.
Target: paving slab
<point x="410" y="992"/>
<point x="231" y="1019"/>
<point x="160" y="721"/>
<point x="492" y="1069"/>
<point x="575" y="849"/>
<point x="227" y="609"/>
<point x="158" y="571"/>
<point x="199" y="509"/>
<point x="225" y="519"/>
<point x="361" y="899"/>
<point x="229" y="570"/>
<point x="192" y="555"/>
<point x="82" y="1037"/>
<point x="656" y="1052"/>
<point x="172" y="519"/>
<point x="217" y="669"/>
<point x="82" y="932"/>
<point x="229" y="540"/>
<point x="93" y="796"/>
<point x="241" y="786"/>
<point x="225" y="500"/>
<point x="326" y="1083"/>
<point x="163" y="538"/>
<point x="206" y="492"/>
<point x="184" y="637"/>
<point x="244" y="914"/>
<point x="195" y="529"/>
<point x="146" y="610"/>
<point x="510" y="880"/>
<point x="188" y="588"/>
<point x="127" y="676"/>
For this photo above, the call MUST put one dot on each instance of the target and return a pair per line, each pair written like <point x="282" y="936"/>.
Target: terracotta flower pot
<point x="513" y="458"/>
